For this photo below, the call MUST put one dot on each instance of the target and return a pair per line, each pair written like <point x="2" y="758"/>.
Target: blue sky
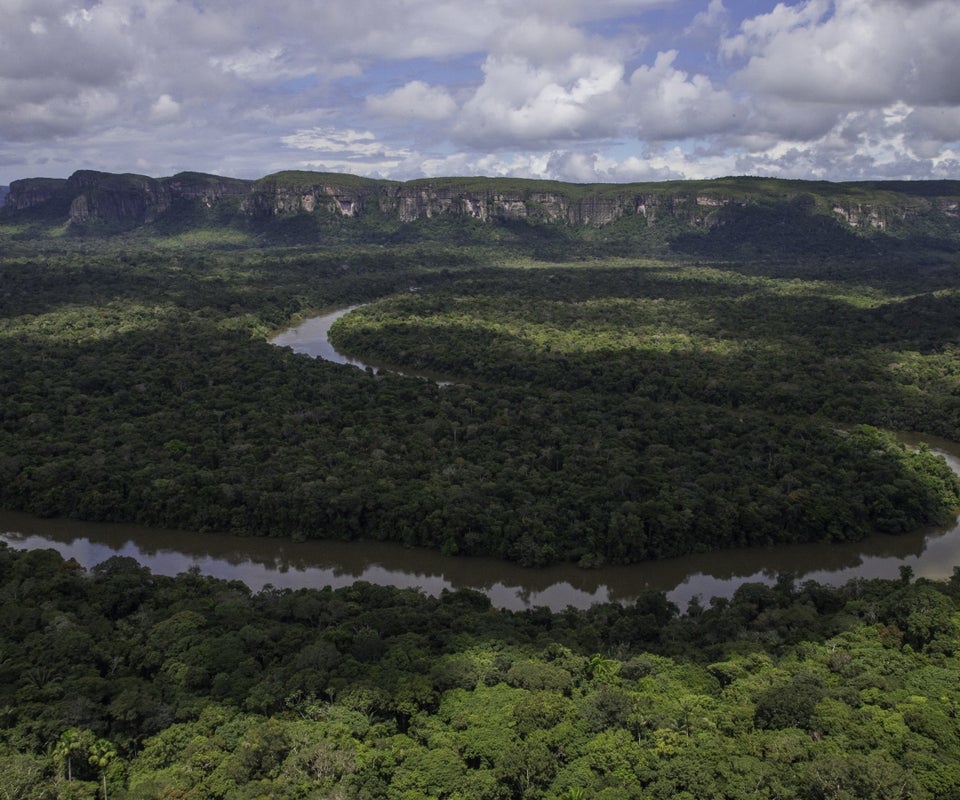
<point x="575" y="90"/>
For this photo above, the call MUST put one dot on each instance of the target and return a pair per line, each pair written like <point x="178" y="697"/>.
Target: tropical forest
<point x="593" y="375"/>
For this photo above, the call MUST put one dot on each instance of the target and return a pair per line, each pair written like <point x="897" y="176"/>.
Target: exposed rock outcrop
<point x="89" y="199"/>
<point x="31" y="192"/>
<point x="278" y="195"/>
<point x="124" y="199"/>
<point x="205" y="189"/>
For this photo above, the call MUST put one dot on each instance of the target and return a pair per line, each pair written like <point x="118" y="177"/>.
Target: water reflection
<point x="310" y="338"/>
<point x="283" y="563"/>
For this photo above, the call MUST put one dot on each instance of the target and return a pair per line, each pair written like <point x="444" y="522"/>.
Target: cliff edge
<point x="694" y="216"/>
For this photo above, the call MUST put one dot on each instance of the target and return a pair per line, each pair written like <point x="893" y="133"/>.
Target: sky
<point x="573" y="90"/>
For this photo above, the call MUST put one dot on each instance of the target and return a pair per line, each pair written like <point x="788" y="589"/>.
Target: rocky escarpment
<point x="131" y="200"/>
<point x="491" y="200"/>
<point x="595" y="207"/>
<point x="90" y="200"/>
<point x="102" y="197"/>
<point x="419" y="201"/>
<point x="204" y="189"/>
<point x="126" y="201"/>
<point x="299" y="192"/>
<point x="32" y="192"/>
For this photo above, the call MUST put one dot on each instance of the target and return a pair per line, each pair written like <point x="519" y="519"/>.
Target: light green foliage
<point x="24" y="776"/>
<point x="602" y="411"/>
<point x="846" y="708"/>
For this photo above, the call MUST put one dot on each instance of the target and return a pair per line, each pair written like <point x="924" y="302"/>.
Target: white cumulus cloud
<point x="669" y="103"/>
<point x="573" y="89"/>
<point x="524" y="102"/>
<point x="415" y="100"/>
<point x="853" y="51"/>
<point x="166" y="109"/>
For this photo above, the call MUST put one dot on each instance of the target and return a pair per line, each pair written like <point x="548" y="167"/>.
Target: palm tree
<point x="602" y="668"/>
<point x="102" y="752"/>
<point x="71" y="741"/>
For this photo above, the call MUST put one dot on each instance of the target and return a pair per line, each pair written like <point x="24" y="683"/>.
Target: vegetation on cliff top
<point x="736" y="216"/>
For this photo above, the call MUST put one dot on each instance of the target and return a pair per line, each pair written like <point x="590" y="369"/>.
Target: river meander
<point x="283" y="563"/>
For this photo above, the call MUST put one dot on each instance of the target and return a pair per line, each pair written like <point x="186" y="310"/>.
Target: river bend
<point x="282" y="563"/>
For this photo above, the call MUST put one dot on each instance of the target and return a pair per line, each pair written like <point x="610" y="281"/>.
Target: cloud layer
<point x="583" y="90"/>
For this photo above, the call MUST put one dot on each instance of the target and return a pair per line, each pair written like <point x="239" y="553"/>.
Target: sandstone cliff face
<point x="30" y="192"/>
<point x="102" y="197"/>
<point x="205" y="189"/>
<point x="130" y="200"/>
<point x="124" y="200"/>
<point x="948" y="206"/>
<point x="410" y="203"/>
<point x="275" y="199"/>
<point x="419" y="200"/>
<point x="413" y="203"/>
<point x="858" y="216"/>
<point x="127" y="201"/>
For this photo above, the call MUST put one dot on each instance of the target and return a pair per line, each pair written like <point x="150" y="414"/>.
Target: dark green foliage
<point x="601" y="413"/>
<point x="789" y="229"/>
<point x="788" y="705"/>
<point x="194" y="687"/>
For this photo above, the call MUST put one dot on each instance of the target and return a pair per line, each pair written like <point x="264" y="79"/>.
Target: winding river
<point x="282" y="563"/>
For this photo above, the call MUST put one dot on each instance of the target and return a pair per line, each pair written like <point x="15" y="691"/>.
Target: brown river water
<point x="283" y="563"/>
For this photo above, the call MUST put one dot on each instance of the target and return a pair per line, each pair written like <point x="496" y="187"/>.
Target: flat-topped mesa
<point x="104" y="197"/>
<point x="312" y="193"/>
<point x="413" y="201"/>
<point x="410" y="202"/>
<point x="131" y="200"/>
<point x="125" y="201"/>
<point x="31" y="192"/>
<point x="92" y="201"/>
<point x="206" y="189"/>
<point x="482" y="199"/>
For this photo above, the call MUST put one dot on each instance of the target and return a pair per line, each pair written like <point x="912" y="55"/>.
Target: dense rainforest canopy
<point x="599" y="411"/>
<point x="146" y="687"/>
<point x="613" y="393"/>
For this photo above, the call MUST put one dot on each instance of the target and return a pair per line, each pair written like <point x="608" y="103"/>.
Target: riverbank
<point x="282" y="563"/>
